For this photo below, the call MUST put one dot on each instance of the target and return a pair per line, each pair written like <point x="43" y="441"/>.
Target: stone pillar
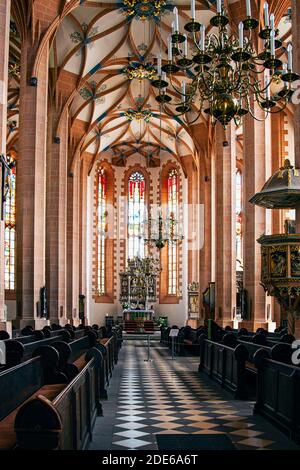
<point x="84" y="169"/>
<point x="254" y="178"/>
<point x="4" y="51"/>
<point x="73" y="188"/>
<point x="277" y="148"/>
<point x="31" y="194"/>
<point x="296" y="61"/>
<point x="205" y="255"/>
<point x="225" y="225"/>
<point x="192" y="252"/>
<point x="56" y="220"/>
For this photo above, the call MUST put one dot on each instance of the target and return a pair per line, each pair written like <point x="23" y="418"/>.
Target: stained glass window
<point x="10" y="233"/>
<point x="172" y="246"/>
<point x="102" y="221"/>
<point x="239" y="219"/>
<point x="136" y="215"/>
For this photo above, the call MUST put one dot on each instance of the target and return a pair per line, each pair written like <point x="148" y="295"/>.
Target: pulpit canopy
<point x="281" y="191"/>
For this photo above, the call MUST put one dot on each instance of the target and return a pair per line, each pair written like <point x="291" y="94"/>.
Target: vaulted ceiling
<point x="96" y="43"/>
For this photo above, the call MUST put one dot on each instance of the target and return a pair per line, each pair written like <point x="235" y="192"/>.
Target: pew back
<point x="225" y="365"/>
<point x="23" y="379"/>
<point x="278" y="388"/>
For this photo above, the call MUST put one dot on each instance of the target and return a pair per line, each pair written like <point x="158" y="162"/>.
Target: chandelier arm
<point x="199" y="112"/>
<point x="256" y="118"/>
<point x="179" y="92"/>
<point x="280" y="109"/>
<point x="173" y="114"/>
<point x="202" y="79"/>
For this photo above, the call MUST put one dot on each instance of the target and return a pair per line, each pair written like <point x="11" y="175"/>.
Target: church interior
<point x="150" y="225"/>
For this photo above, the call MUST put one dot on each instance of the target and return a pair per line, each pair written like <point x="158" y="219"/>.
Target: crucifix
<point x="5" y="182"/>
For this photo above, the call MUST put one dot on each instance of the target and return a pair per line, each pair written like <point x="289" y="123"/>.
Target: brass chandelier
<point x="162" y="230"/>
<point x="225" y="76"/>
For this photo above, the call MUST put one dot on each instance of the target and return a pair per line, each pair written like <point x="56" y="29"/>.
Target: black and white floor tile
<point x="163" y="396"/>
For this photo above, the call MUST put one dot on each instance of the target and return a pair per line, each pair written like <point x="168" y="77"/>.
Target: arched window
<point x="136" y="215"/>
<point x="172" y="246"/>
<point x="102" y="224"/>
<point x="239" y="219"/>
<point x="10" y="234"/>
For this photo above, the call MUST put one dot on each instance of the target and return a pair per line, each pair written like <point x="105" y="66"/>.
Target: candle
<point x="164" y="78"/>
<point x="272" y="21"/>
<point x="290" y="57"/>
<point x="193" y="9"/>
<point x="284" y="71"/>
<point x="183" y="90"/>
<point x="267" y="86"/>
<point x="219" y="6"/>
<point x="272" y="43"/>
<point x="173" y="27"/>
<point x="202" y="37"/>
<point x="241" y="34"/>
<point x="185" y="46"/>
<point x="170" y="49"/>
<point x="248" y="7"/>
<point x="159" y="64"/>
<point x="175" y="11"/>
<point x="266" y="14"/>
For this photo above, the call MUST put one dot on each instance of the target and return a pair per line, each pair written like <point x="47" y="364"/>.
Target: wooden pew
<point x="4" y="335"/>
<point x="226" y="365"/>
<point x="17" y="351"/>
<point x="107" y="348"/>
<point x="235" y="368"/>
<point x="278" y="389"/>
<point x="64" y="422"/>
<point x="39" y="375"/>
<point x="73" y="359"/>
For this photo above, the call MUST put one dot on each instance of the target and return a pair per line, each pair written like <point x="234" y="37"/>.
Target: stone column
<point x="206" y="203"/>
<point x="31" y="194"/>
<point x="277" y="148"/>
<point x="254" y="178"/>
<point x="56" y="220"/>
<point x="296" y="61"/>
<point x="84" y="168"/>
<point x="4" y="51"/>
<point x="225" y="225"/>
<point x="73" y="188"/>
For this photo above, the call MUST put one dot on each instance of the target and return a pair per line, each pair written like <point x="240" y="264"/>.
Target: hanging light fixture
<point x="225" y="76"/>
<point x="163" y="228"/>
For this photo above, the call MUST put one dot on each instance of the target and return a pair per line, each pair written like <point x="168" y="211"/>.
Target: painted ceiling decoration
<point x="14" y="69"/>
<point x="140" y="71"/>
<point x="145" y="9"/>
<point x="109" y="58"/>
<point x="138" y="115"/>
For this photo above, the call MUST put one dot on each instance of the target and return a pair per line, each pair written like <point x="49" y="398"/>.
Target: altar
<point x="138" y="294"/>
<point x="138" y="315"/>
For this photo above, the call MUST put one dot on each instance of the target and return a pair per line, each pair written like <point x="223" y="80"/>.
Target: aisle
<point x="170" y="397"/>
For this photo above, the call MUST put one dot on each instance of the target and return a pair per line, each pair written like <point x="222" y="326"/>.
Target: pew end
<point x="38" y="425"/>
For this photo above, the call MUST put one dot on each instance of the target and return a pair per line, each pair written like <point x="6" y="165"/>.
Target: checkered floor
<point x="170" y="397"/>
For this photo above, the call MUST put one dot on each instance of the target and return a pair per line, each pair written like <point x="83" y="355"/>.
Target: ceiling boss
<point x="225" y="76"/>
<point x="145" y="9"/>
